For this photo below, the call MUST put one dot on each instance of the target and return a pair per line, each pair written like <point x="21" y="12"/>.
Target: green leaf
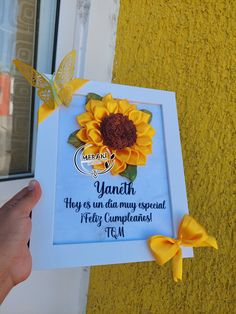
<point x="150" y="114"/>
<point x="93" y="96"/>
<point x="73" y="140"/>
<point x="130" y="172"/>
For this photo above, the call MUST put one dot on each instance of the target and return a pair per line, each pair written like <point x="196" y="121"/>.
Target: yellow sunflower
<point x="119" y="126"/>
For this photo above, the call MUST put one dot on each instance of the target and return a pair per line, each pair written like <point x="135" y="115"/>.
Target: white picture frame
<point x="47" y="255"/>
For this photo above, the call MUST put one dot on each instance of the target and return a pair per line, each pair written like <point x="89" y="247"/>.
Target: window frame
<point x="47" y="18"/>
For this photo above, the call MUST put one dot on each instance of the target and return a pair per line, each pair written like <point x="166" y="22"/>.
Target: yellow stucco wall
<point x="187" y="47"/>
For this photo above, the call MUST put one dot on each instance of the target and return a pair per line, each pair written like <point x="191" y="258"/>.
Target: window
<point x="21" y="28"/>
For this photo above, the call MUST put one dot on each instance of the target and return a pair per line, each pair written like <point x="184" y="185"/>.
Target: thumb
<point x="24" y="201"/>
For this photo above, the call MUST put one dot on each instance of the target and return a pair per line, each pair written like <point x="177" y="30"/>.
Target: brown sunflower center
<point x="118" y="131"/>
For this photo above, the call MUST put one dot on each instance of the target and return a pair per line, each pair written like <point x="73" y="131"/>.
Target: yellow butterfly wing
<point x="37" y="80"/>
<point x="65" y="72"/>
<point x="66" y="93"/>
<point x="47" y="97"/>
<point x="64" y="81"/>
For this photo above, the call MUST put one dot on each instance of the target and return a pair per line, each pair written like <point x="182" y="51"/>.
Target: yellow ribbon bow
<point x="190" y="233"/>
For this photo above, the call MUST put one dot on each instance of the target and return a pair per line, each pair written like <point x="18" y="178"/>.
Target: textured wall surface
<point x="187" y="47"/>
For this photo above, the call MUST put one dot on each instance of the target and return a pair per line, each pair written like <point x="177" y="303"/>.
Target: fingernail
<point x="31" y="185"/>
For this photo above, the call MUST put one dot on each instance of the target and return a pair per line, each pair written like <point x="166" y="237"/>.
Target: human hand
<point x="15" y="229"/>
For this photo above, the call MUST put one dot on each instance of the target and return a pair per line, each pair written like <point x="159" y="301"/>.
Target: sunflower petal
<point x="91" y="150"/>
<point x="84" y="118"/>
<point x="104" y="149"/>
<point x="149" y="113"/>
<point x="100" y="113"/>
<point x="135" y="116"/>
<point x="134" y="157"/>
<point x="92" y="104"/>
<point x="88" y="106"/>
<point x="123" y="154"/>
<point x="144" y="140"/>
<point x="108" y="97"/>
<point x="92" y="125"/>
<point x="95" y="136"/>
<point x="145" y="129"/>
<point x="125" y="106"/>
<point x="145" y="149"/>
<point x="82" y="135"/>
<point x="118" y="167"/>
<point x="112" y="106"/>
<point x="142" y="159"/>
<point x="145" y="117"/>
<point x="142" y="128"/>
<point x="151" y="131"/>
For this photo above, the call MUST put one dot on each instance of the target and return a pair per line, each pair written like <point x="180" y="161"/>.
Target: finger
<point x="16" y="198"/>
<point x="24" y="201"/>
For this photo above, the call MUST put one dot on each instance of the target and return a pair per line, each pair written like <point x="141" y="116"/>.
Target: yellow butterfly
<point x="57" y="90"/>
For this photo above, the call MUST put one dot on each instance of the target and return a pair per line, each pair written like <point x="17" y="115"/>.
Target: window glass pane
<point x="18" y="28"/>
